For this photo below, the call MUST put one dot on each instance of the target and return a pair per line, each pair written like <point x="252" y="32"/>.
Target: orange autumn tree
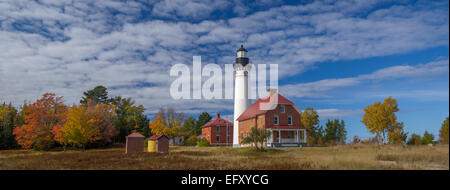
<point x="159" y="124"/>
<point x="41" y="118"/>
<point x="103" y="116"/>
<point x="170" y="125"/>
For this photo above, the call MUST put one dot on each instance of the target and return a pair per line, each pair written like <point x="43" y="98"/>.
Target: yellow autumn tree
<point x="380" y="119"/>
<point x="169" y="123"/>
<point x="80" y="127"/>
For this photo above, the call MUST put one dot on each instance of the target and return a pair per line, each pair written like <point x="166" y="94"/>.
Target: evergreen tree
<point x="202" y="120"/>
<point x="129" y="117"/>
<point x="427" y="138"/>
<point x="8" y="120"/>
<point x="97" y="95"/>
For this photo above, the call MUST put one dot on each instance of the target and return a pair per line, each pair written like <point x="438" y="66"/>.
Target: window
<point x="217" y="128"/>
<point x="260" y="122"/>
<point x="217" y="138"/>
<point x="246" y="134"/>
<point x="228" y="138"/>
<point x="290" y="120"/>
<point x="278" y="134"/>
<point x="240" y="124"/>
<point x="282" y="108"/>
<point x="228" y="128"/>
<point x="251" y="123"/>
<point x="289" y="134"/>
<point x="275" y="120"/>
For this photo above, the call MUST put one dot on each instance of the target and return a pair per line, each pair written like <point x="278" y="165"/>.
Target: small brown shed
<point x="134" y="143"/>
<point x="162" y="144"/>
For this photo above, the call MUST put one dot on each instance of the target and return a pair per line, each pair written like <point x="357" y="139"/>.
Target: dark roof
<point x="163" y="136"/>
<point x="242" y="49"/>
<point x="156" y="137"/>
<point x="254" y="109"/>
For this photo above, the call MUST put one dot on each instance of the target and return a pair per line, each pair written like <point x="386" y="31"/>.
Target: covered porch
<point x="282" y="137"/>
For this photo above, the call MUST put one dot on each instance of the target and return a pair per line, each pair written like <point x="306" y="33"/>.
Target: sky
<point x="334" y="56"/>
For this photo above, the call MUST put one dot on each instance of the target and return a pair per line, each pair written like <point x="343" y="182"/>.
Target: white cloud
<point x="323" y="87"/>
<point x="338" y="113"/>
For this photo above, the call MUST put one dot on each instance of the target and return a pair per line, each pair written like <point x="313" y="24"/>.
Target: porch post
<point x="296" y="136"/>
<point x="270" y="136"/>
<point x="279" y="136"/>
<point x="304" y="135"/>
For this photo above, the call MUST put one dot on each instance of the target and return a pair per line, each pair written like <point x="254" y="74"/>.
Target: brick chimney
<point x="218" y="115"/>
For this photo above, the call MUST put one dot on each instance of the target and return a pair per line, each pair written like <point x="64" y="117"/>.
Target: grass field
<point x="357" y="157"/>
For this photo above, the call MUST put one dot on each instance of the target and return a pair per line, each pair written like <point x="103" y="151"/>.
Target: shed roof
<point x="136" y="135"/>
<point x="156" y="137"/>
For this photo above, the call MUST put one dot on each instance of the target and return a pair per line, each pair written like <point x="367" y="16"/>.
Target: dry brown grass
<point x="338" y="157"/>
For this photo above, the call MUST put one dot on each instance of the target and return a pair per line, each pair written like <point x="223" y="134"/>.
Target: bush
<point x="146" y="142"/>
<point x="414" y="140"/>
<point x="191" y="141"/>
<point x="203" y="143"/>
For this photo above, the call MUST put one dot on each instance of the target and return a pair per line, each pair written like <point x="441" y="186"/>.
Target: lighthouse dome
<point x="242" y="58"/>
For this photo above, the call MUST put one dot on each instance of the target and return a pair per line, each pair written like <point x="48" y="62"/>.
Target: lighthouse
<point x="241" y="102"/>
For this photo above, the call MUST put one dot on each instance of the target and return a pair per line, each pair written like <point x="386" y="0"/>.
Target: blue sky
<point x="335" y="56"/>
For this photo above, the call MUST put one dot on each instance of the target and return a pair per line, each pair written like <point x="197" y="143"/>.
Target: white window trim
<point x="218" y="138"/>
<point x="284" y="108"/>
<point x="278" y="120"/>
<point x="217" y="128"/>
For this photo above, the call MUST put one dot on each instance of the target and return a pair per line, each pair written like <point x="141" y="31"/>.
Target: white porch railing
<point x="289" y="140"/>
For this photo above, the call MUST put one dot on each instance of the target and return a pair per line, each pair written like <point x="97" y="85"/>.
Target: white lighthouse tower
<point x="241" y="101"/>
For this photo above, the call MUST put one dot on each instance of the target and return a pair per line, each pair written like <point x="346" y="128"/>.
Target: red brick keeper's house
<point x="279" y="116"/>
<point x="218" y="132"/>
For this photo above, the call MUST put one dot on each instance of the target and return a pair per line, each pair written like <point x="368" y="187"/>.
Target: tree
<point x="42" y="116"/>
<point x="8" y="120"/>
<point x="379" y="118"/>
<point x="427" y="138"/>
<point x="60" y="136"/>
<point x="356" y="140"/>
<point x="310" y="120"/>
<point x="257" y="137"/>
<point x="443" y="132"/>
<point x="190" y="126"/>
<point x="80" y="127"/>
<point x="102" y="117"/>
<point x="335" y="131"/>
<point x="396" y="135"/>
<point x="159" y="124"/>
<point x="98" y="95"/>
<point x="129" y="117"/>
<point x="414" y="139"/>
<point x="202" y="120"/>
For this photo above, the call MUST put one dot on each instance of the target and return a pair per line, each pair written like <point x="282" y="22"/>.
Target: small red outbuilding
<point x="162" y="143"/>
<point x="134" y="143"/>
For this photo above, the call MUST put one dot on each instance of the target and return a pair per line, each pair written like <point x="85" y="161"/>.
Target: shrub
<point x="146" y="142"/>
<point x="191" y="141"/>
<point x="414" y="140"/>
<point x="203" y="143"/>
